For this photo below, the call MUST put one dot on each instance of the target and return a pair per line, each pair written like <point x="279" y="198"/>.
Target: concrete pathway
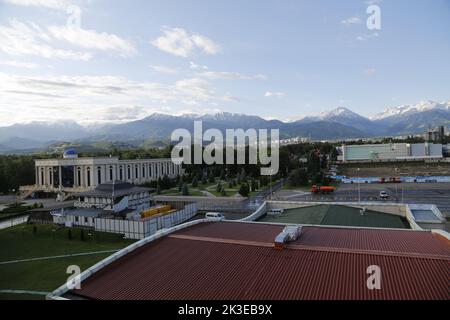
<point x="58" y="257"/>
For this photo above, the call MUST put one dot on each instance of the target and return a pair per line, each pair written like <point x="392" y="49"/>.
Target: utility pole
<point x="359" y="187"/>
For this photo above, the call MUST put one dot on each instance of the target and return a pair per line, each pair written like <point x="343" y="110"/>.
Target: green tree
<point x="254" y="185"/>
<point x="244" y="190"/>
<point x="195" y="182"/>
<point x="219" y="187"/>
<point x="185" y="190"/>
<point x="158" y="189"/>
<point x="298" y="177"/>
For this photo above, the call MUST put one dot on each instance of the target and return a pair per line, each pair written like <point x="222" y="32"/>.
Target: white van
<point x="214" y="215"/>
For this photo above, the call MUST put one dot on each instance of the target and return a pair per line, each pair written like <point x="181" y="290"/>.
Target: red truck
<point x="322" y="189"/>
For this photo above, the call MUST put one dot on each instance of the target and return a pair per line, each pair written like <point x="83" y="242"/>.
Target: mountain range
<point x="340" y="123"/>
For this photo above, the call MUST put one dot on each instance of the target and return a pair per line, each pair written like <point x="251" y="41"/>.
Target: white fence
<point x="141" y="229"/>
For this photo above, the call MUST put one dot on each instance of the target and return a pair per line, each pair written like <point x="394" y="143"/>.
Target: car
<point x="384" y="195"/>
<point x="214" y="215"/>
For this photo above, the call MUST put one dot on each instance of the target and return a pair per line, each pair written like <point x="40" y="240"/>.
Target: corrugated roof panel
<point x="184" y="269"/>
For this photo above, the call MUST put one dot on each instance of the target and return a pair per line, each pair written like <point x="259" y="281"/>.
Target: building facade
<point x="73" y="174"/>
<point x="391" y="152"/>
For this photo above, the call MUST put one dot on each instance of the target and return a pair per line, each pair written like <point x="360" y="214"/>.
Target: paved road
<point x="415" y="193"/>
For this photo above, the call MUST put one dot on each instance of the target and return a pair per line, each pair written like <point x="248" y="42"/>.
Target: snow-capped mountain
<point x="346" y="117"/>
<point x="339" y="123"/>
<point x="404" y="110"/>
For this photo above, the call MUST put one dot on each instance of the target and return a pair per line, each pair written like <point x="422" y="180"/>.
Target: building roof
<point x="237" y="260"/>
<point x="120" y="188"/>
<point x="337" y="215"/>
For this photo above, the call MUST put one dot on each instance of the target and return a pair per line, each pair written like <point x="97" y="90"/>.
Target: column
<point x="60" y="176"/>
<point x="83" y="184"/>
<point x="36" y="174"/>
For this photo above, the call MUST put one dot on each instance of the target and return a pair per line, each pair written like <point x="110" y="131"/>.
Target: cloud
<point x="18" y="64"/>
<point x="52" y="4"/>
<point x="180" y="42"/>
<point x="352" y="21"/>
<point x="19" y="38"/>
<point x="91" y="39"/>
<point x="270" y="94"/>
<point x="97" y="98"/>
<point x="231" y="75"/>
<point x="29" y="39"/>
<point x="370" y="71"/>
<point x="195" y="66"/>
<point x="163" y="69"/>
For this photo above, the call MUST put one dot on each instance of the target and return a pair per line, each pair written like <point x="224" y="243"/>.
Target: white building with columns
<point x="74" y="174"/>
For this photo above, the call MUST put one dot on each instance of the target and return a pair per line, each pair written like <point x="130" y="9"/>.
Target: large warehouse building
<point x="204" y="260"/>
<point x="390" y="152"/>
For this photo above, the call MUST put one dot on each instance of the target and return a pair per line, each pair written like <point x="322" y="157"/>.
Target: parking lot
<point x="417" y="193"/>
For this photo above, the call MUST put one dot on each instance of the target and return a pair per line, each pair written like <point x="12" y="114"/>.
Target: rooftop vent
<point x="289" y="233"/>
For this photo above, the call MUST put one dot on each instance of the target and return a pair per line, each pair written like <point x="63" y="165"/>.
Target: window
<point x="85" y="219"/>
<point x="99" y="175"/>
<point x="76" y="219"/>
<point x="143" y="171"/>
<point x="79" y="176"/>
<point x="129" y="172"/>
<point x="88" y="177"/>
<point x="121" y="173"/>
<point x="136" y="171"/>
<point x="110" y="173"/>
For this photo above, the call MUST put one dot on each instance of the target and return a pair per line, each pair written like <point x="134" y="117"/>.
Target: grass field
<point x="20" y="242"/>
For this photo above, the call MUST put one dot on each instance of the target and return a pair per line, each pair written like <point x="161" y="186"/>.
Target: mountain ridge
<point x="339" y="123"/>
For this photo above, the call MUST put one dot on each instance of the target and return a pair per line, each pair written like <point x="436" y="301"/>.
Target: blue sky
<point x="277" y="59"/>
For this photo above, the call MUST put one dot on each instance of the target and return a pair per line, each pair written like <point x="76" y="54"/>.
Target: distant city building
<point x="435" y="134"/>
<point x="390" y="152"/>
<point x="74" y="174"/>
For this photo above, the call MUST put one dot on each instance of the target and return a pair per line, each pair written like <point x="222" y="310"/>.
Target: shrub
<point x="195" y="182"/>
<point x="244" y="190"/>
<point x="185" y="190"/>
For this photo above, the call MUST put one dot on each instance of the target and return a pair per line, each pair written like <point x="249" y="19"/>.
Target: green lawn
<point x="20" y="242"/>
<point x="211" y="188"/>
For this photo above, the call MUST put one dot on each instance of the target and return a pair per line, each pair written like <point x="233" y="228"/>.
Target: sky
<point x="97" y="61"/>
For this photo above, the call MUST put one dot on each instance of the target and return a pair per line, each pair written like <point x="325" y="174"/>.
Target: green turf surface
<point x="20" y="242"/>
<point x="346" y="216"/>
<point x="337" y="215"/>
<point x="306" y="215"/>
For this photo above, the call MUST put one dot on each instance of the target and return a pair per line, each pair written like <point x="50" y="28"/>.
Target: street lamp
<point x="359" y="186"/>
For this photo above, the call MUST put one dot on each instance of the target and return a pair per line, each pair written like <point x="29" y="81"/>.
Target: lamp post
<point x="359" y="187"/>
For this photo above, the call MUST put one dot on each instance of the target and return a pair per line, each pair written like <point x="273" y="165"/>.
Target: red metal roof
<point x="237" y="261"/>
